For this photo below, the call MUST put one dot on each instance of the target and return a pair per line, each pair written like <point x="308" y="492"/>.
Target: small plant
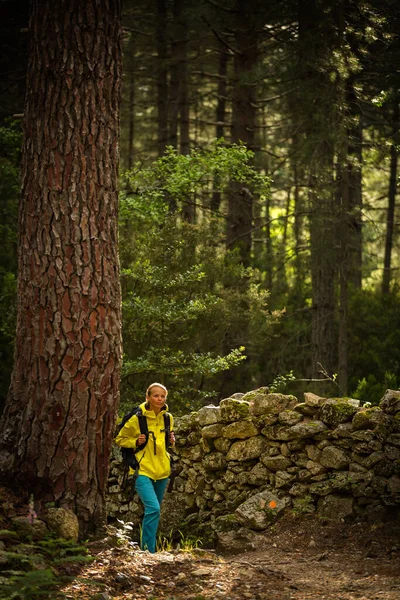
<point x="186" y="543"/>
<point x="280" y="382"/>
<point x="29" y="586"/>
<point x="123" y="534"/>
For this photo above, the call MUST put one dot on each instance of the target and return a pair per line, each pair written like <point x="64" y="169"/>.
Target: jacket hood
<point x="150" y="413"/>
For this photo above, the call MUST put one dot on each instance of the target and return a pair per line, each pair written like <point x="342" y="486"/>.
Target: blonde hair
<point x="155" y="385"/>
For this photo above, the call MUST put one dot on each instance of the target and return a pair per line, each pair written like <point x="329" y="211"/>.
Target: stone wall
<point x="259" y="454"/>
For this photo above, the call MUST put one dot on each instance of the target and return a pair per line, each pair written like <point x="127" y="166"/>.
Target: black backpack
<point x="129" y="454"/>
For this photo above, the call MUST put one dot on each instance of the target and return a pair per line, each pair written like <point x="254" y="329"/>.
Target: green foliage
<point x="279" y="384"/>
<point x="370" y="390"/>
<point x="31" y="581"/>
<point x="186" y="543"/>
<point x="374" y="344"/>
<point x="190" y="308"/>
<point x="29" y="586"/>
<point x="64" y="551"/>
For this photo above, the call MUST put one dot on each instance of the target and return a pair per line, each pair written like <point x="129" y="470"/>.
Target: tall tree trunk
<point x="174" y="82"/>
<point x="316" y="44"/>
<point x="57" y="427"/>
<point x="240" y="203"/>
<point x="162" y="77"/>
<point x="354" y="181"/>
<point x="392" y="202"/>
<point x="220" y="114"/>
<point x="344" y="236"/>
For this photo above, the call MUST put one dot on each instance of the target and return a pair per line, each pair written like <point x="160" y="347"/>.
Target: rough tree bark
<point x="220" y="114"/>
<point x="162" y="77"/>
<point x="240" y="203"/>
<point x="56" y="431"/>
<point x="316" y="45"/>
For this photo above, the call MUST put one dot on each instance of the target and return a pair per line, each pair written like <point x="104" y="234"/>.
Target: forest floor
<point x="301" y="559"/>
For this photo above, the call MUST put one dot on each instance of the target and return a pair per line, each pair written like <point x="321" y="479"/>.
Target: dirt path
<point x="300" y="560"/>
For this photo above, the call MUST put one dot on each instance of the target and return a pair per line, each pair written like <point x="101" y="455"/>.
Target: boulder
<point x="335" y="508"/>
<point x="305" y="410"/>
<point x="246" y="449"/>
<point x="215" y="461"/>
<point x="240" y="430"/>
<point x="234" y="410"/>
<point x="276" y="463"/>
<point x="263" y="404"/>
<point x="212" y="431"/>
<point x="63" y="523"/>
<point x="36" y="529"/>
<point x="260" y="510"/>
<point x="334" y="458"/>
<point x="208" y="415"/>
<point x="289" y="417"/>
<point x="258" y="475"/>
<point x="307" y="429"/>
<point x="390" y="402"/>
<point x="313" y="400"/>
<point x="335" y="411"/>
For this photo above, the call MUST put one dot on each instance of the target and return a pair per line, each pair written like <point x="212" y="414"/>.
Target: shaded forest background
<point x="259" y="222"/>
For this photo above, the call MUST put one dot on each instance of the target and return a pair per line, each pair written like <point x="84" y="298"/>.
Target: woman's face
<point x="156" y="398"/>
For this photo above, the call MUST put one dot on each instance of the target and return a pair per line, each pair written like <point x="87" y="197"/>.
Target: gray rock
<point x="334" y="458"/>
<point x="289" y="417"/>
<point x="35" y="529"/>
<point x="393" y="484"/>
<point x="208" y="415"/>
<point x="392" y="452"/>
<point x="390" y="402"/>
<point x="246" y="449"/>
<point x="314" y="467"/>
<point x="222" y="445"/>
<point x="394" y="439"/>
<point x="305" y="409"/>
<point x="338" y="410"/>
<point x="260" y="510"/>
<point x="215" y="461"/>
<point x="335" y="508"/>
<point x="258" y="475"/>
<point x="212" y="431"/>
<point x="263" y="404"/>
<point x="307" y="429"/>
<point x="63" y="522"/>
<point x="313" y="400"/>
<point x="276" y="463"/>
<point x="234" y="410"/>
<point x="240" y="430"/>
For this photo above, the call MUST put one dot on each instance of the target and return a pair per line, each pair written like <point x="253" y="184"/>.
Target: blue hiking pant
<point x="151" y="494"/>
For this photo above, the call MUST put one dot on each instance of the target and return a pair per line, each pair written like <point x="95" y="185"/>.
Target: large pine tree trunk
<point x="316" y="45"/>
<point x="162" y="77"/>
<point x="240" y="202"/>
<point x="57" y="426"/>
<point x="220" y="114"/>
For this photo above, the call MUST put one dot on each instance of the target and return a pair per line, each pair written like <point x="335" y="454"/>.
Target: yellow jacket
<point x="154" y="460"/>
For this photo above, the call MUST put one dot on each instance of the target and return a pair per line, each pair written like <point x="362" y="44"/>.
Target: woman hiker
<point x="154" y="466"/>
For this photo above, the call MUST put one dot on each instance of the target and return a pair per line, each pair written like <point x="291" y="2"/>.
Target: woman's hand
<point x="141" y="439"/>
<point x="172" y="438"/>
